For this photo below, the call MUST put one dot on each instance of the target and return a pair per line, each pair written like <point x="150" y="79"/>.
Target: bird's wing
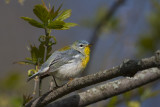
<point x="54" y="57"/>
<point x="62" y="58"/>
<point x="56" y="60"/>
<point x="45" y="66"/>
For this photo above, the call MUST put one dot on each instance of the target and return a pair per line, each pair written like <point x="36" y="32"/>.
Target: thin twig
<point x="105" y="19"/>
<point x="96" y="32"/>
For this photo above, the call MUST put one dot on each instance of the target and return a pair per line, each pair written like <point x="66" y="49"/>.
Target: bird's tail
<point x="31" y="77"/>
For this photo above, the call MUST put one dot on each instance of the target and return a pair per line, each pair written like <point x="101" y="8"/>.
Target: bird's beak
<point x="89" y="45"/>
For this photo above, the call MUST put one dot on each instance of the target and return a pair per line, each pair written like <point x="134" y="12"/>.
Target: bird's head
<point x="82" y="46"/>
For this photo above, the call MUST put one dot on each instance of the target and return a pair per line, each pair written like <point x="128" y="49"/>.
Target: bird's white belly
<point x="69" y="70"/>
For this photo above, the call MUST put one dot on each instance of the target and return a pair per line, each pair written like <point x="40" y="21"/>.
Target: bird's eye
<point x="81" y="45"/>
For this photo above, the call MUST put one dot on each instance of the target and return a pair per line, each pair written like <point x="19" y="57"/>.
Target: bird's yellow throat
<point x="87" y="50"/>
<point x="86" y="59"/>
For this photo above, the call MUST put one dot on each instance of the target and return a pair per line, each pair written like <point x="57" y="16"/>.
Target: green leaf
<point x="133" y="104"/>
<point x="147" y="42"/>
<point x="25" y="62"/>
<point x="33" y="22"/>
<point x="64" y="15"/>
<point x="56" y="25"/>
<point x="155" y="4"/>
<point x="42" y="13"/>
<point x="49" y="49"/>
<point x="28" y="59"/>
<point x="57" y="11"/>
<point x="68" y="25"/>
<point x="127" y="95"/>
<point x="112" y="102"/>
<point x="149" y="93"/>
<point x="31" y="72"/>
<point x="34" y="54"/>
<point x="52" y="15"/>
<point x="41" y="53"/>
<point x="141" y="90"/>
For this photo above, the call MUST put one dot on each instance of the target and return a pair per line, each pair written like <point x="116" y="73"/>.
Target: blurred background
<point x="132" y="31"/>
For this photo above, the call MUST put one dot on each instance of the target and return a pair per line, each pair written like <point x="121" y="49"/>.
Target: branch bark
<point x="127" y="68"/>
<point x="108" y="90"/>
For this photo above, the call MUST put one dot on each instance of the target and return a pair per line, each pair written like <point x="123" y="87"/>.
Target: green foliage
<point x="68" y="25"/>
<point x="34" y="54"/>
<point x="11" y="82"/>
<point x="10" y="89"/>
<point x="37" y="55"/>
<point x="148" y="93"/>
<point x="64" y="15"/>
<point x="143" y="93"/>
<point x="133" y="104"/>
<point x="149" y="42"/>
<point x="127" y="95"/>
<point x="42" y="13"/>
<point x="112" y="102"/>
<point x="33" y="22"/>
<point x="48" y="18"/>
<point x="16" y="102"/>
<point x="56" y="24"/>
<point x="10" y="101"/>
<point x="31" y="72"/>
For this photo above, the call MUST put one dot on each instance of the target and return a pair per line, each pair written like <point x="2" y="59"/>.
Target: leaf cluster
<point x="10" y="89"/>
<point x="50" y="18"/>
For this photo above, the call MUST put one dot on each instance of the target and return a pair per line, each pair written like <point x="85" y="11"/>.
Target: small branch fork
<point x="127" y="68"/>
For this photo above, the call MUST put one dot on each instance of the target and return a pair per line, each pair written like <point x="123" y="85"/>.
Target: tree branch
<point x="127" y="68"/>
<point x="108" y="90"/>
<point x="105" y="19"/>
<point x="97" y="30"/>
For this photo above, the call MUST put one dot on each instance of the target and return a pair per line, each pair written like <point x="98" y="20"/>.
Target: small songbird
<point x="66" y="63"/>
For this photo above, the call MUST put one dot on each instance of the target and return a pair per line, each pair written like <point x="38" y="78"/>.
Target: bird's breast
<point x="70" y="70"/>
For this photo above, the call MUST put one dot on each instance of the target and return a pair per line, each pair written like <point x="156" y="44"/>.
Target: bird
<point x="67" y="62"/>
